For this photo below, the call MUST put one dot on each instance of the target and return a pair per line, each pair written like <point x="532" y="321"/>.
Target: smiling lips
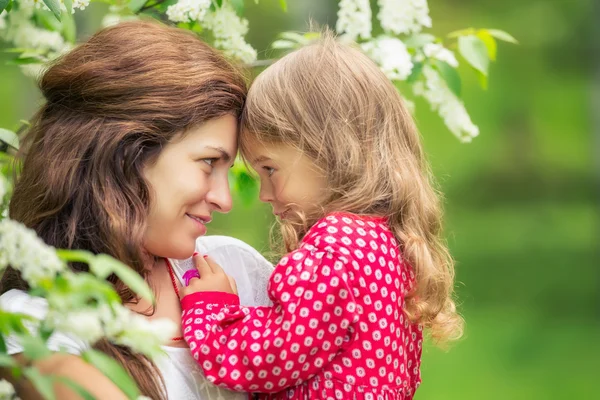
<point x="203" y="220"/>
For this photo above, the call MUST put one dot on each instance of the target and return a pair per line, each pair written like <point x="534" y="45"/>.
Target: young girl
<point x="341" y="162"/>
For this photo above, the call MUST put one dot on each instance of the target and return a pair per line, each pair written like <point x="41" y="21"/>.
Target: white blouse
<point x="183" y="378"/>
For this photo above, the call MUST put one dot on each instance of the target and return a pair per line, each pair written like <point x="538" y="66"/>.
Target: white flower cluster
<point x="229" y="30"/>
<point x="116" y="323"/>
<point x="354" y="19"/>
<point x="403" y="16"/>
<point x="450" y="108"/>
<point x="19" y="30"/>
<point x="7" y="391"/>
<point x="391" y="55"/>
<point x="23" y="250"/>
<point x="439" y="52"/>
<point x="39" y="4"/>
<point x="3" y="188"/>
<point x="188" y="10"/>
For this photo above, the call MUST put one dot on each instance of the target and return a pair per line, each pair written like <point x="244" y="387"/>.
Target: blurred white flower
<point x="354" y="19"/>
<point x="2" y="20"/>
<point x="39" y="4"/>
<point x="403" y="16"/>
<point x="448" y="106"/>
<point x="229" y="30"/>
<point x="3" y="188"/>
<point x="84" y="324"/>
<point x="7" y="391"/>
<point x="188" y="10"/>
<point x="439" y="52"/>
<point x="391" y="55"/>
<point x="125" y="327"/>
<point x="23" y="250"/>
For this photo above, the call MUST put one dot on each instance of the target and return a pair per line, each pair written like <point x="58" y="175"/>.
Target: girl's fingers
<point x="202" y="266"/>
<point x="216" y="268"/>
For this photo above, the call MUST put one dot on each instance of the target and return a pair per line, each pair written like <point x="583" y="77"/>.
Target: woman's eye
<point x="210" y="161"/>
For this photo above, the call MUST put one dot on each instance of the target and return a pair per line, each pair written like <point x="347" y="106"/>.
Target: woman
<point x="130" y="157"/>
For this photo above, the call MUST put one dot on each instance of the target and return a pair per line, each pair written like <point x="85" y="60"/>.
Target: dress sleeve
<point x="267" y="349"/>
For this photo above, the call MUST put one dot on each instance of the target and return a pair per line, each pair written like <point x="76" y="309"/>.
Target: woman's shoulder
<point x="20" y="302"/>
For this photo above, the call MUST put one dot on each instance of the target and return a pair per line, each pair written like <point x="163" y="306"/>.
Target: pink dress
<point x="336" y="329"/>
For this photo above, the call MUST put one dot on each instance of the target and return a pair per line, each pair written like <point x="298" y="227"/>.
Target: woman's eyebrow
<point x="224" y="154"/>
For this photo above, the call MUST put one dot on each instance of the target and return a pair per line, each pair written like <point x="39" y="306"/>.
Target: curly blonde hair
<point x="334" y="104"/>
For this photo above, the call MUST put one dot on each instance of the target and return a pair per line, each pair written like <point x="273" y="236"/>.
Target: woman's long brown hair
<point x="111" y="105"/>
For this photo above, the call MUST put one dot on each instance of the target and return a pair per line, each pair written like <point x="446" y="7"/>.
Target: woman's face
<point x="188" y="181"/>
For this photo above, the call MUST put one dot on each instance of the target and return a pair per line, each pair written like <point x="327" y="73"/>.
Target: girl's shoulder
<point x="345" y="227"/>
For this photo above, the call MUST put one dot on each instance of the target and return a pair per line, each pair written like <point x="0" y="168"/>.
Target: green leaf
<point x="85" y="395"/>
<point x="69" y="6"/>
<point x="9" y="137"/>
<point x="34" y="348"/>
<point x="283" y="44"/>
<point x="25" y="60"/>
<point x="483" y="80"/>
<point x="113" y="371"/>
<point x="128" y="276"/>
<point x="69" y="30"/>
<point x="419" y="40"/>
<point x="490" y="43"/>
<point x="42" y="383"/>
<point x="474" y="51"/>
<point x="461" y="32"/>
<point x="136" y="5"/>
<point x="3" y="349"/>
<point x="47" y="20"/>
<point x="7" y="361"/>
<point x="283" y="5"/>
<point x="450" y="76"/>
<point x="10" y="6"/>
<point x="294" y="37"/>
<point x="415" y="73"/>
<point x="501" y="35"/>
<point x="54" y="6"/>
<point x="4" y="4"/>
<point x="76" y="256"/>
<point x="238" y="6"/>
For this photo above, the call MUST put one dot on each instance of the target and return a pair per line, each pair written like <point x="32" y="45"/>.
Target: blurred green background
<point x="522" y="200"/>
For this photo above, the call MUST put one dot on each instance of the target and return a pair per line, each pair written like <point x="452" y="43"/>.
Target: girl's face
<point x="288" y="179"/>
<point x="188" y="181"/>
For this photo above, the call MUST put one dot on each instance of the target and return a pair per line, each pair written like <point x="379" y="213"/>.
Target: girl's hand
<point x="212" y="278"/>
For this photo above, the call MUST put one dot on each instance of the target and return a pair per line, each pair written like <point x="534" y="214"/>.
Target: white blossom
<point x="3" y="188"/>
<point x="229" y="30"/>
<point x="354" y="19"/>
<point x="391" y="55"/>
<point x="125" y="327"/>
<point x="7" y="391"/>
<point x="39" y="4"/>
<point x="403" y="16"/>
<point x="23" y="250"/>
<point x="2" y="20"/>
<point x="439" y="52"/>
<point x="84" y="323"/>
<point x="448" y="106"/>
<point x="188" y="10"/>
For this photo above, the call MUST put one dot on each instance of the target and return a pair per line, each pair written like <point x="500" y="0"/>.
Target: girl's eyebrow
<point x="260" y="159"/>
<point x="224" y="154"/>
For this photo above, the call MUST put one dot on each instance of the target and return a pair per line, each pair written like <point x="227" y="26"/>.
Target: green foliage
<point x="113" y="371"/>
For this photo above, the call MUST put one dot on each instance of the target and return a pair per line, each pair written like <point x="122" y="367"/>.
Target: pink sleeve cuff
<point x="210" y="298"/>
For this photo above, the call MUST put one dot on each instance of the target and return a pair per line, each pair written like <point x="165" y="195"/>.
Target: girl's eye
<point x="269" y="170"/>
<point x="210" y="161"/>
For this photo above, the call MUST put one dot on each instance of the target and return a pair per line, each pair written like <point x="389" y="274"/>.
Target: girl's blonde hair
<point x="334" y="104"/>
